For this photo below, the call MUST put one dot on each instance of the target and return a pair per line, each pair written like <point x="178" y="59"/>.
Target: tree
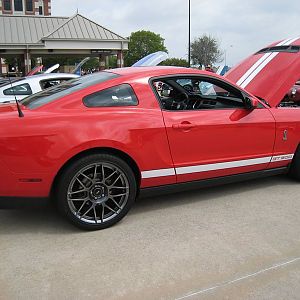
<point x="205" y="50"/>
<point x="141" y="44"/>
<point x="178" y="62"/>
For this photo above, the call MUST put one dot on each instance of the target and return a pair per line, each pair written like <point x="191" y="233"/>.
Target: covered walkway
<point x="38" y="36"/>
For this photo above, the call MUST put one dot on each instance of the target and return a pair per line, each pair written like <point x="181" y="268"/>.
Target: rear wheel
<point x="97" y="191"/>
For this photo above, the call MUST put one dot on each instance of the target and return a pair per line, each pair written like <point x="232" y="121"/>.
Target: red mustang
<point x="96" y="142"/>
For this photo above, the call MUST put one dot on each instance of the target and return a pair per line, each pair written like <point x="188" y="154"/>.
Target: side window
<point x="45" y="84"/>
<point x="18" y="90"/>
<point x="196" y="93"/>
<point x="121" y="95"/>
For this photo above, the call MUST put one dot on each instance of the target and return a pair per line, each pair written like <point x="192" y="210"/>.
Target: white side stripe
<point x="158" y="173"/>
<point x="261" y="63"/>
<point x="214" y="167"/>
<point x="222" y="166"/>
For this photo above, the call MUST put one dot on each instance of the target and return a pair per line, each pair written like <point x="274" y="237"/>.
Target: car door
<point x="211" y="133"/>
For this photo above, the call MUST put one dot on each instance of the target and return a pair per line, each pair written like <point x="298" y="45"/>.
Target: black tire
<point x="101" y="196"/>
<point x="294" y="171"/>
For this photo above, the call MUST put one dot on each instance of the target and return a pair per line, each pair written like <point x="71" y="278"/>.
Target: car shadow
<point x="41" y="216"/>
<point x="206" y="194"/>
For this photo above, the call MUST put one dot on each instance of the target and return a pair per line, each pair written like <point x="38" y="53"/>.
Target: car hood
<point x="270" y="72"/>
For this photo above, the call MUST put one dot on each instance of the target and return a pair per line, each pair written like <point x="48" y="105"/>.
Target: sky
<point x="241" y="27"/>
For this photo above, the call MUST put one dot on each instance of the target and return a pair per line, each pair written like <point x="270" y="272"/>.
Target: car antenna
<point x="20" y="113"/>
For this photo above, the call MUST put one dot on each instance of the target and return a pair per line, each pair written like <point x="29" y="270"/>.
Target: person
<point x="208" y="68"/>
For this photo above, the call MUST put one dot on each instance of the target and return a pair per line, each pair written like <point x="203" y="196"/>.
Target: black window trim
<point x="117" y="106"/>
<point x="21" y="6"/>
<point x="283" y="48"/>
<point x="203" y="77"/>
<point x="27" y="4"/>
<point x="10" y="5"/>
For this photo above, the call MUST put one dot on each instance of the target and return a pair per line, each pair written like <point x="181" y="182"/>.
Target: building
<point x="25" y="7"/>
<point x="38" y="36"/>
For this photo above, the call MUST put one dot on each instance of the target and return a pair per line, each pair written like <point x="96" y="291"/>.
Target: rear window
<point x="66" y="88"/>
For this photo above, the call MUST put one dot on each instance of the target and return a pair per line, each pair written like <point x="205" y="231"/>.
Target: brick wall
<point x="45" y="4"/>
<point x="47" y="7"/>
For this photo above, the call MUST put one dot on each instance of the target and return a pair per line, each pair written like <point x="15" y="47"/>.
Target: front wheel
<point x="294" y="171"/>
<point x="96" y="191"/>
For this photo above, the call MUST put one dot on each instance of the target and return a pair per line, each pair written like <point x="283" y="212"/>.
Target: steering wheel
<point x="179" y="102"/>
<point x="188" y="87"/>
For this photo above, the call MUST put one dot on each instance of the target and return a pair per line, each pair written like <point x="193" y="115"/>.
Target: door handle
<point x="184" y="126"/>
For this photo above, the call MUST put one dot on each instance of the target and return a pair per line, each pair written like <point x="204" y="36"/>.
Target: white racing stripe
<point x="158" y="173"/>
<point x="258" y="63"/>
<point x="258" y="69"/>
<point x="223" y="166"/>
<point x="253" y="68"/>
<point x="261" y="63"/>
<point x="214" y="167"/>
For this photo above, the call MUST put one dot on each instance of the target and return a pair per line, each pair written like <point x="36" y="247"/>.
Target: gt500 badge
<point x="282" y="157"/>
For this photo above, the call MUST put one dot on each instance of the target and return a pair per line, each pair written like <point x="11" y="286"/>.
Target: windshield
<point x="66" y="88"/>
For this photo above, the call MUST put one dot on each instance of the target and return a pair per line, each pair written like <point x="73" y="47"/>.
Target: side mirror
<point x="250" y="103"/>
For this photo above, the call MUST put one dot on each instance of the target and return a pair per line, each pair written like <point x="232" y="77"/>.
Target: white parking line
<point x="276" y="266"/>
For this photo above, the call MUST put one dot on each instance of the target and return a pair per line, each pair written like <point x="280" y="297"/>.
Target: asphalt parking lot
<point x="240" y="241"/>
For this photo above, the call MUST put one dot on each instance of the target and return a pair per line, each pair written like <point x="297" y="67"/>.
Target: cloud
<point x="241" y="27"/>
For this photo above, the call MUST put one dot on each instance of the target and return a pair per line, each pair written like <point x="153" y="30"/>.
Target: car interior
<point x="45" y="84"/>
<point x="196" y="94"/>
<point x="292" y="98"/>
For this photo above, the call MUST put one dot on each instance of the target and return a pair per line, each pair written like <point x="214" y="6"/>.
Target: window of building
<point x="29" y="5"/>
<point x="41" y="7"/>
<point x="121" y="95"/>
<point x="18" y="90"/>
<point x="18" y="5"/>
<point x="7" y="5"/>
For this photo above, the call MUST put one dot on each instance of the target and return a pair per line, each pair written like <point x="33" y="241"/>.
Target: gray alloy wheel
<point x="97" y="191"/>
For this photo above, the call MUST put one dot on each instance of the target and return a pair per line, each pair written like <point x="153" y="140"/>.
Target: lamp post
<point x="189" y="55"/>
<point x="225" y="54"/>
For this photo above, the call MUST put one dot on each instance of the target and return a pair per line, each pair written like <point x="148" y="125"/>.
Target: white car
<point x="26" y="86"/>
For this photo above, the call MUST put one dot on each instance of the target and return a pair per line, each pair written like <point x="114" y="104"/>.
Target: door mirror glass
<point x="250" y="103"/>
<point x="294" y="92"/>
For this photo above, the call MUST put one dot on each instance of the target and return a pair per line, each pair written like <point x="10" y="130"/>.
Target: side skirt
<point x="23" y="202"/>
<point x="192" y="185"/>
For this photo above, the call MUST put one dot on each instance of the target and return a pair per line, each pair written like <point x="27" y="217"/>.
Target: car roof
<point x="36" y="78"/>
<point x="155" y="71"/>
<point x="50" y="76"/>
